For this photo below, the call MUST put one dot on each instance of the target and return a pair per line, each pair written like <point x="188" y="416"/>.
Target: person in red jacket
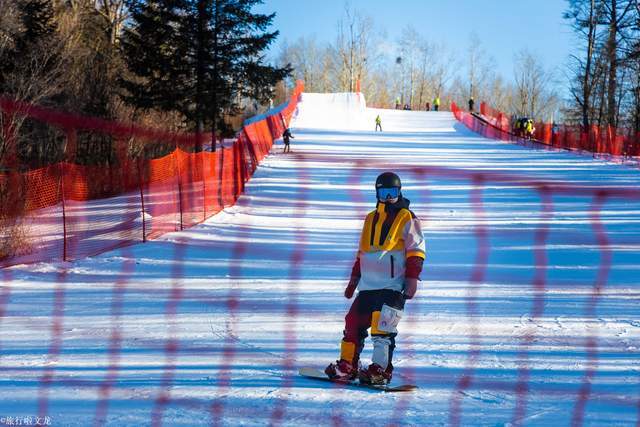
<point x="386" y="273"/>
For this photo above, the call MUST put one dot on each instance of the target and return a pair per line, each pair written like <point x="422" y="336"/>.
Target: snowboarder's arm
<point x="355" y="279"/>
<point x="412" y="274"/>
<point x="415" y="253"/>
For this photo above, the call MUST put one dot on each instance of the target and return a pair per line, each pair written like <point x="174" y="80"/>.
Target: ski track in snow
<point x="543" y="334"/>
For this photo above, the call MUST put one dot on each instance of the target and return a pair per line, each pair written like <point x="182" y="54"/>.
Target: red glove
<point x="351" y="287"/>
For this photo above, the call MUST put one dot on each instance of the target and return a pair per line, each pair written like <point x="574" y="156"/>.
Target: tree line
<point x="605" y="84"/>
<point x="183" y="65"/>
<point x="601" y="77"/>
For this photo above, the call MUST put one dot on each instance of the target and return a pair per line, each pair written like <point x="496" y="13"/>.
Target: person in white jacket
<point x="386" y="273"/>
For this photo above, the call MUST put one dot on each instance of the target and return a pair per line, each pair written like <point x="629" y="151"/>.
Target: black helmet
<point x="388" y="179"/>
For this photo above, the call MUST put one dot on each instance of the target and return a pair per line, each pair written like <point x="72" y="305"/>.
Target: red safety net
<point x="597" y="140"/>
<point x="68" y="211"/>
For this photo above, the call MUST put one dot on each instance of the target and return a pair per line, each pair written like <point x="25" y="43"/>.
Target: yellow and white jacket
<point x="391" y="234"/>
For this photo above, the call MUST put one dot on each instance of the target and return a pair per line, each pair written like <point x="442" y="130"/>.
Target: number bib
<point x="389" y="319"/>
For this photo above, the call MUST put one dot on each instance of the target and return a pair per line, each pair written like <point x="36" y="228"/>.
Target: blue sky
<point x="505" y="27"/>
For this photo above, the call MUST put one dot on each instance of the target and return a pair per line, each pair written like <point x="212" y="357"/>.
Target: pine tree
<point x="35" y="23"/>
<point x="37" y="19"/>
<point x="238" y="68"/>
<point x="154" y="54"/>
<point x="199" y="57"/>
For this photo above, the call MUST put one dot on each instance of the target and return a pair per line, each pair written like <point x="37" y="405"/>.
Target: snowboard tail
<point x="317" y="374"/>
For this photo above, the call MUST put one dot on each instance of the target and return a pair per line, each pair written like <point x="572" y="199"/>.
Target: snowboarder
<point x="285" y="138"/>
<point x="436" y="103"/>
<point x="386" y="273"/>
<point x="378" y="123"/>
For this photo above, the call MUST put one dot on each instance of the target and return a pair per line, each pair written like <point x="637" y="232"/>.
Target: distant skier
<point x="471" y="103"/>
<point x="529" y="129"/>
<point x="285" y="138"/>
<point x="378" y="123"/>
<point x="436" y="103"/>
<point x="386" y="272"/>
<point x="517" y="127"/>
<point x="428" y="106"/>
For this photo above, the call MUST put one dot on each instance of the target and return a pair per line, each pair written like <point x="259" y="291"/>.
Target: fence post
<point x="179" y="177"/>
<point x="70" y="151"/>
<point x="203" y="176"/>
<point x="64" y="214"/>
<point x="236" y="187"/>
<point x="140" y="185"/>
<point x="221" y="176"/>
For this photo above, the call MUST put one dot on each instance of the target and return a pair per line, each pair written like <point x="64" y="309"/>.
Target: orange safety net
<point x="68" y="211"/>
<point x="598" y="140"/>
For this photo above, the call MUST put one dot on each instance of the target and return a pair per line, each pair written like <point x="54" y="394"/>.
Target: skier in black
<point x="386" y="272"/>
<point x="285" y="138"/>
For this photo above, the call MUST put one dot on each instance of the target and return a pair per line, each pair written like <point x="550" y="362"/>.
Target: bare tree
<point x="442" y="69"/>
<point x="352" y="47"/>
<point x="533" y="94"/>
<point x="412" y="63"/>
<point x="480" y="70"/>
<point x="34" y="70"/>
<point x="584" y="16"/>
<point x="617" y="18"/>
<point x="309" y="61"/>
<point x="114" y="13"/>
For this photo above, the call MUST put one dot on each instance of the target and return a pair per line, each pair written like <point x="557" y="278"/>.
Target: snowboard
<point x="317" y="374"/>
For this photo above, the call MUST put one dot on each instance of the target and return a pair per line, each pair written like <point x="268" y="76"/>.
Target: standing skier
<point x="378" y="123"/>
<point x="285" y="138"/>
<point x="386" y="272"/>
<point x="436" y="103"/>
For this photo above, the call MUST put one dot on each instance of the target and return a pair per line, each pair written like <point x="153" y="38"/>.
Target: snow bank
<point x="332" y="110"/>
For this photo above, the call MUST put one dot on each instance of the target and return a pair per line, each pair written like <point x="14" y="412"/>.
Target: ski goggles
<point x="385" y="193"/>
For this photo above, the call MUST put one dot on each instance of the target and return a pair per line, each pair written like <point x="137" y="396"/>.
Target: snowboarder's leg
<point x="353" y="343"/>
<point x="354" y="334"/>
<point x="379" y="372"/>
<point x="384" y="343"/>
<point x="383" y="346"/>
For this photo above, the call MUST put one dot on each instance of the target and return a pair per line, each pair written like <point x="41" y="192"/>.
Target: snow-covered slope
<point x="518" y="320"/>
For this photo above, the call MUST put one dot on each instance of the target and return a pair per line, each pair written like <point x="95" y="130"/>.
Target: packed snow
<point x="527" y="312"/>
